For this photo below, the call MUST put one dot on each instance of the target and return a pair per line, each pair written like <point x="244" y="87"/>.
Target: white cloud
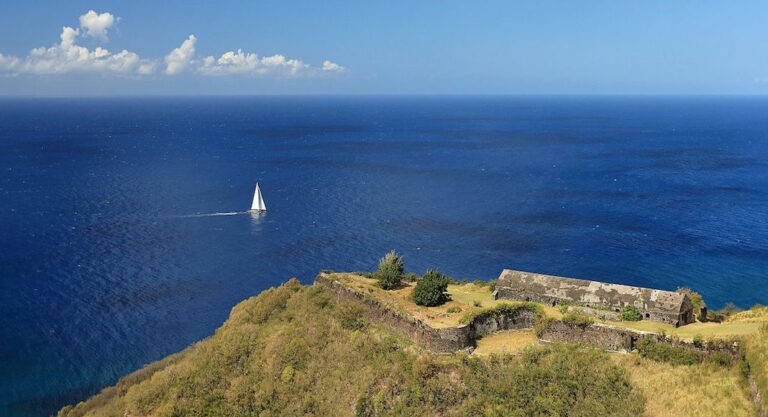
<point x="95" y="24"/>
<point x="8" y="63"/>
<point x="68" y="57"/>
<point x="239" y="62"/>
<point x="178" y="59"/>
<point x="249" y="63"/>
<point x="330" y="66"/>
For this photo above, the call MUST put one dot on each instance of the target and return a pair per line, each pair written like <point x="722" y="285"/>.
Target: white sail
<point x="258" y="200"/>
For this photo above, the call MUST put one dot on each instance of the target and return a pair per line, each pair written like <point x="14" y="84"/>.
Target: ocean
<point x="109" y="260"/>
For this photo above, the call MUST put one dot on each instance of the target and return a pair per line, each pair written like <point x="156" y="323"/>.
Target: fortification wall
<point x="438" y="340"/>
<point x="463" y="337"/>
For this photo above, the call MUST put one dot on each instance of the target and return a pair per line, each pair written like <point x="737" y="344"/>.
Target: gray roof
<point x="591" y="292"/>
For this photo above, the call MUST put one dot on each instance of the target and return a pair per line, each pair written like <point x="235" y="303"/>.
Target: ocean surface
<point x="108" y="259"/>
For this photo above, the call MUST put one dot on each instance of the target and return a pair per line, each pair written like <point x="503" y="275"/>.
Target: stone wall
<point x="463" y="337"/>
<point x="438" y="340"/>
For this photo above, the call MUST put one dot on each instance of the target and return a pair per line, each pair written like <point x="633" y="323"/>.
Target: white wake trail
<point x="226" y="213"/>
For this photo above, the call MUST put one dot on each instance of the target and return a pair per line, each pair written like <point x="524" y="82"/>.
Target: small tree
<point x="431" y="289"/>
<point x="697" y="302"/>
<point x="630" y="313"/>
<point x="391" y="271"/>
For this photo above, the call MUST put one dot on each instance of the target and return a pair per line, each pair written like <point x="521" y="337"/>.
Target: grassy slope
<point x="290" y="351"/>
<point x="693" y="390"/>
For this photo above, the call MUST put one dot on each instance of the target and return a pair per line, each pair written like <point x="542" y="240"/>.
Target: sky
<point x="250" y="47"/>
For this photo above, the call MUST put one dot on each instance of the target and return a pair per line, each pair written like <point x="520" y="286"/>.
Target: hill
<point x="293" y="350"/>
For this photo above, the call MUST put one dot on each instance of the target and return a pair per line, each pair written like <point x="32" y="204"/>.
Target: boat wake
<point x="257" y="207"/>
<point x="226" y="213"/>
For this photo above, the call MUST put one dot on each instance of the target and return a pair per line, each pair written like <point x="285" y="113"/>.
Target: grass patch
<point x="506" y="342"/>
<point x="701" y="390"/>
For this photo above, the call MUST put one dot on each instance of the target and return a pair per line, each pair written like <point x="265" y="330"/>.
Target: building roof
<point x="591" y="292"/>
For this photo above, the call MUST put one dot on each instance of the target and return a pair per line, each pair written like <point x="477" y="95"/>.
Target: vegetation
<point x="507" y="307"/>
<point x="391" y="271"/>
<point x="696" y="300"/>
<point x="293" y="351"/>
<point x="695" y="390"/>
<point x="574" y="318"/>
<point x="756" y="362"/>
<point x="630" y="313"/>
<point x="431" y="289"/>
<point x="663" y="352"/>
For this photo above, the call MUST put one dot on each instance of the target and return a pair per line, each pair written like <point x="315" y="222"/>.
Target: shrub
<point x="662" y="352"/>
<point x="730" y="309"/>
<point x="720" y="359"/>
<point x="698" y="341"/>
<point x="480" y="283"/>
<point x="477" y="303"/>
<point x="696" y="300"/>
<point x="630" y="313"/>
<point x="431" y="289"/>
<point x="541" y="325"/>
<point x="563" y="308"/>
<point x="492" y="285"/>
<point x="577" y="319"/>
<point x="391" y="271"/>
<point x="454" y="309"/>
<point x="351" y="316"/>
<point x="411" y="277"/>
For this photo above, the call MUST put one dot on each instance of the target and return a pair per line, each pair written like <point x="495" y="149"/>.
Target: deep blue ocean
<point x="102" y="268"/>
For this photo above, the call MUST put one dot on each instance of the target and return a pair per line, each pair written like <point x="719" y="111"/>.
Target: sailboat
<point x="258" y="201"/>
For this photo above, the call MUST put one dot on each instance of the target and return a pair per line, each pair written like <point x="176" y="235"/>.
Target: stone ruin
<point x="601" y="298"/>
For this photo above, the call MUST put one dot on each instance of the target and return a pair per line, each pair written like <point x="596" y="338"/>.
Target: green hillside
<point x="291" y="351"/>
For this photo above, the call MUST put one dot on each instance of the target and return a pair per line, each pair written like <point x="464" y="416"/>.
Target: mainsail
<point x="258" y="200"/>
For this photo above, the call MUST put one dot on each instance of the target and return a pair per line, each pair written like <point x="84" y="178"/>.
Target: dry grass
<point x="697" y="390"/>
<point x="688" y="332"/>
<point x="463" y="297"/>
<point x="512" y="341"/>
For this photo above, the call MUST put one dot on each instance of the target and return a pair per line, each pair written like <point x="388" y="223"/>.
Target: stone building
<point x="659" y="305"/>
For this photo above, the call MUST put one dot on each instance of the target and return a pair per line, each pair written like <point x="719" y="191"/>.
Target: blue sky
<point x="384" y="47"/>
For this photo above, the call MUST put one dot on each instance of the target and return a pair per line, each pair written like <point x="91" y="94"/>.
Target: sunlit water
<point x="109" y="259"/>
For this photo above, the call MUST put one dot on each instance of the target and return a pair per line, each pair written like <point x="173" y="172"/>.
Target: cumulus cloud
<point x="67" y="56"/>
<point x="96" y="25"/>
<point x="8" y="63"/>
<point x="330" y="66"/>
<point x="250" y="63"/>
<point x="178" y="59"/>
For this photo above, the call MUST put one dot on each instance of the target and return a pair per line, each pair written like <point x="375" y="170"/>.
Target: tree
<point x="431" y="289"/>
<point x="391" y="271"/>
<point x="630" y="313"/>
<point x="696" y="300"/>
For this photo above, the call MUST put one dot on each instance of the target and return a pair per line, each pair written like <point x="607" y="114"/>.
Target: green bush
<point x="663" y="352"/>
<point x="391" y="271"/>
<point x="480" y="283"/>
<point x="431" y="289"/>
<point x="630" y="313"/>
<point x="577" y="319"/>
<point x="351" y="316"/>
<point x="454" y="309"/>
<point x="477" y="303"/>
<point x="696" y="300"/>
<point x="411" y="277"/>
<point x="492" y="285"/>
